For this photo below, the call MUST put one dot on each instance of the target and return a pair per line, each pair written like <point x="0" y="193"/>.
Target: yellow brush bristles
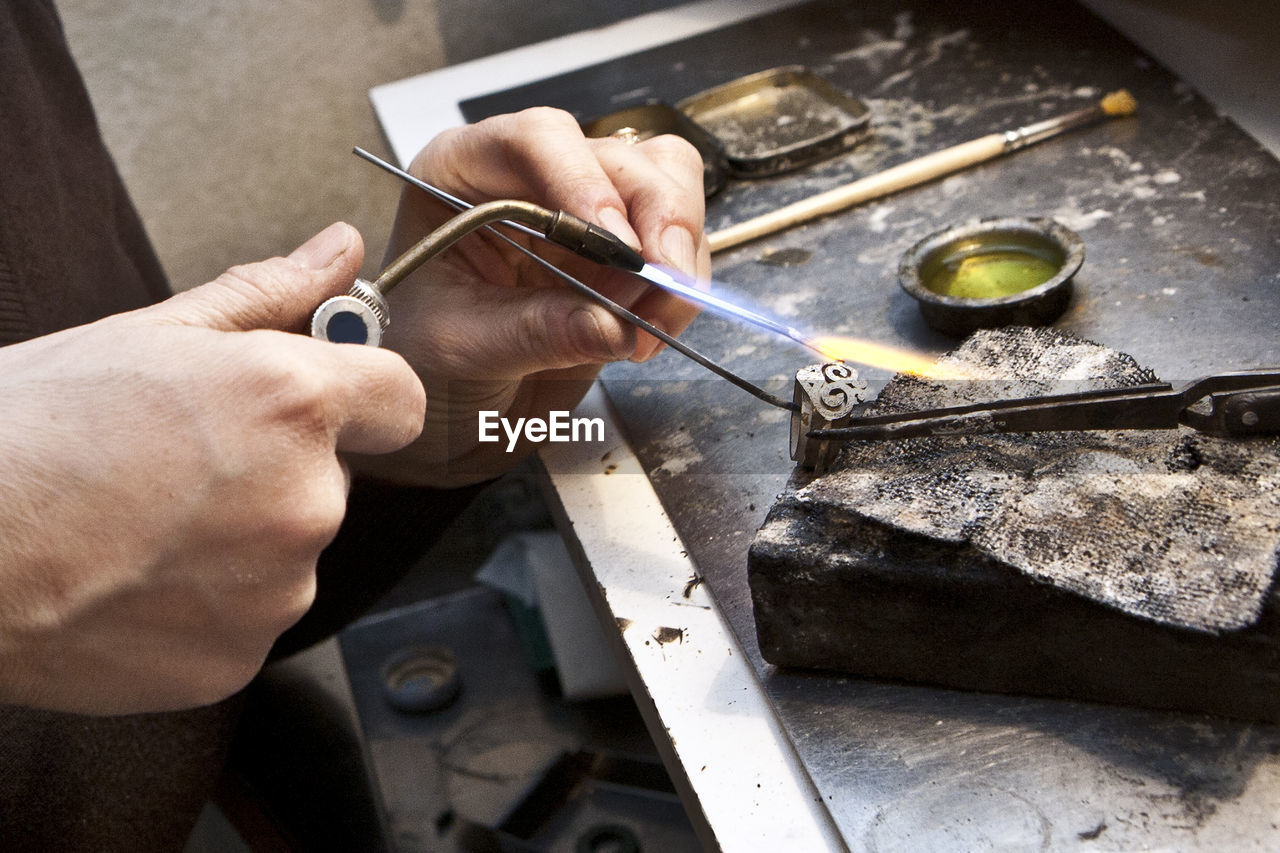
<point x="1119" y="103"/>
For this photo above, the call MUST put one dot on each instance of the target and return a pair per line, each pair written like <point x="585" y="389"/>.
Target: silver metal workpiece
<point x="825" y="397"/>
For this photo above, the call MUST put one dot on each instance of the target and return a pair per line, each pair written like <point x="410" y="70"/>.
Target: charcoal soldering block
<point x="1130" y="567"/>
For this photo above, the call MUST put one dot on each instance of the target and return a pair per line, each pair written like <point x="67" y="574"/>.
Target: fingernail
<point x="616" y="221"/>
<point x="679" y="249"/>
<point x="324" y="248"/>
<point x="589" y="338"/>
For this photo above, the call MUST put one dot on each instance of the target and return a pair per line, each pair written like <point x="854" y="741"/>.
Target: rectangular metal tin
<point x="778" y="120"/>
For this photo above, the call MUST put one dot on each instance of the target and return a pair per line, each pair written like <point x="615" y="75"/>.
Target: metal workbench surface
<point x="1179" y="211"/>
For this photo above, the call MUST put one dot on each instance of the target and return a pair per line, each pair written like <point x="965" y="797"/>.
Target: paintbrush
<point x="919" y="171"/>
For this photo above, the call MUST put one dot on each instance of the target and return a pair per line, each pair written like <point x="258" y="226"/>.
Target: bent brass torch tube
<point x="458" y="227"/>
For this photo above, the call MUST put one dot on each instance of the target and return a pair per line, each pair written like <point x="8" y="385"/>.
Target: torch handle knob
<point x="359" y="316"/>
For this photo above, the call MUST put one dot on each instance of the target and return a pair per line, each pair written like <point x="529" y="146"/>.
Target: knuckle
<point x="445" y="140"/>
<point x="394" y="383"/>
<point x="258" y="284"/>
<point x="295" y="394"/>
<point x="529" y="129"/>
<point x="434" y="162"/>
<point x="670" y="208"/>
<point x="538" y="120"/>
<point x="684" y="197"/>
<point x="572" y="174"/>
<point x="534" y="329"/>
<point x="294" y="604"/>
<point x="677" y="150"/>
<point x="453" y="352"/>
<point x="315" y="513"/>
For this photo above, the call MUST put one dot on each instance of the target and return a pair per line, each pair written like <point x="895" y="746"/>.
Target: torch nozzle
<point x="593" y="242"/>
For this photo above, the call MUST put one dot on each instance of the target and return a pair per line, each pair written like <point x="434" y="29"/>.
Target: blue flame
<point x="679" y="285"/>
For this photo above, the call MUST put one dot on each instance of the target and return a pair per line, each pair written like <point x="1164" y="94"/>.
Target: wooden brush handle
<point x="884" y="183"/>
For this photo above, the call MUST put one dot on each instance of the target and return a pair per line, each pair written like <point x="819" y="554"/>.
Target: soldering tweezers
<point x="1241" y="403"/>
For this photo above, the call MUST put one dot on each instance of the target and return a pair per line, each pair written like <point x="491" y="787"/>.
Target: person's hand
<point x="170" y="478"/>
<point x="485" y="328"/>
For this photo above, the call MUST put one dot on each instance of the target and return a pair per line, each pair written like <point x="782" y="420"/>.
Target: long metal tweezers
<point x="1241" y="403"/>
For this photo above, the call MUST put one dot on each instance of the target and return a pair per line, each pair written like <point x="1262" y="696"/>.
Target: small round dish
<point x="1000" y="271"/>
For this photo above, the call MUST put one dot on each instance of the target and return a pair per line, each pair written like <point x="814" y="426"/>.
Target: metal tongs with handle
<point x="1241" y="403"/>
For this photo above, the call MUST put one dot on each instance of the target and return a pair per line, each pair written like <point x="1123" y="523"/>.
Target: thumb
<point x="278" y="293"/>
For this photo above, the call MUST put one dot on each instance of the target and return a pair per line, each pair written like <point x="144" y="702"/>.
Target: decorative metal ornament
<point x="826" y="395"/>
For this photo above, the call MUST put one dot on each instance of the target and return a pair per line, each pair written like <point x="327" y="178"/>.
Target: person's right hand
<point x="489" y="331"/>
<point x="170" y="476"/>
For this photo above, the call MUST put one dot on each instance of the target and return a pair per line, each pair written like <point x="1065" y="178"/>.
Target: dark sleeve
<point x="73" y="250"/>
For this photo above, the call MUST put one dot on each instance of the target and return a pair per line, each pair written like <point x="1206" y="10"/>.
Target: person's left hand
<point x="487" y="329"/>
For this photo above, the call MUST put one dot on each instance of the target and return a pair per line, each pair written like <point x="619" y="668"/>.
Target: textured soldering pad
<point x="1169" y="525"/>
<point x="1030" y="562"/>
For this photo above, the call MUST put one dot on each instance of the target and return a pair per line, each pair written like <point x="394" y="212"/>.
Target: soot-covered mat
<point x="1134" y="567"/>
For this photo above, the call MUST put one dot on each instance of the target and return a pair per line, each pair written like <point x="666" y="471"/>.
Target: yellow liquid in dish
<point x="990" y="273"/>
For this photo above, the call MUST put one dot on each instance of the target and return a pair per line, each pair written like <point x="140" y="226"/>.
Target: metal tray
<point x="657" y="117"/>
<point x="778" y="120"/>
